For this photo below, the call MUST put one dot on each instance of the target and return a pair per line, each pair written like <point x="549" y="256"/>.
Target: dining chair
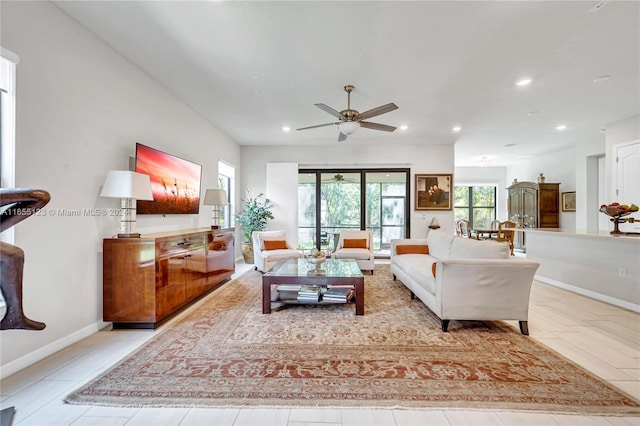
<point x="506" y="233"/>
<point x="462" y="228"/>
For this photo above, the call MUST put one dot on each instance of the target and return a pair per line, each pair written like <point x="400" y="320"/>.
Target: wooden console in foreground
<point x="146" y="280"/>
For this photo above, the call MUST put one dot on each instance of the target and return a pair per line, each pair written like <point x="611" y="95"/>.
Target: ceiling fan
<point x="350" y="120"/>
<point x="338" y="178"/>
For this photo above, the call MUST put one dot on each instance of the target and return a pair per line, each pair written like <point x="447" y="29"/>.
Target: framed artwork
<point x="569" y="201"/>
<point x="434" y="192"/>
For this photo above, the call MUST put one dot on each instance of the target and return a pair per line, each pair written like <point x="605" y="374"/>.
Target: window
<point x="332" y="200"/>
<point x="226" y="181"/>
<point x="477" y="204"/>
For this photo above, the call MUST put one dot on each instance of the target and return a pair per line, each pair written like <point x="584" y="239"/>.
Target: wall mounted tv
<point x="175" y="182"/>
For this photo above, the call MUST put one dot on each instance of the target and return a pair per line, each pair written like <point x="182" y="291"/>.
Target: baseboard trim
<point x="592" y="294"/>
<point x="31" y="358"/>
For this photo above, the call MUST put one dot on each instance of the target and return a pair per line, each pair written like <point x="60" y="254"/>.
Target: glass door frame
<point x="363" y="206"/>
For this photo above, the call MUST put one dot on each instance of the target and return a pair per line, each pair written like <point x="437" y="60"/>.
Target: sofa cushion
<point x="352" y="253"/>
<point x="418" y="267"/>
<point x="439" y="243"/>
<point x="275" y="244"/>
<point x="466" y="248"/>
<point x="276" y="255"/>
<point x="412" y="249"/>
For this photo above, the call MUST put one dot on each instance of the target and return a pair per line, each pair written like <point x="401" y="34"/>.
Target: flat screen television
<point x="175" y="182"/>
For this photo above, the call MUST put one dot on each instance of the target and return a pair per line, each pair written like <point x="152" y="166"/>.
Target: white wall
<point x="80" y="110"/>
<point x="282" y="181"/>
<point x="420" y="159"/>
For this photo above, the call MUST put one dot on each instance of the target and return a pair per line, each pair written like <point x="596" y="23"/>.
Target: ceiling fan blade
<point x="330" y="110"/>
<point x="377" y="126"/>
<point x="377" y="111"/>
<point x="342" y="137"/>
<point x="319" y="125"/>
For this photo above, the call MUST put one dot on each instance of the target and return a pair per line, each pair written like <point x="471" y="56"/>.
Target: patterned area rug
<point x="226" y="353"/>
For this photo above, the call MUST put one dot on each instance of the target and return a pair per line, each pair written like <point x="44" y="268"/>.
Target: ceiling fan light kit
<point x="350" y="120"/>
<point x="348" y="127"/>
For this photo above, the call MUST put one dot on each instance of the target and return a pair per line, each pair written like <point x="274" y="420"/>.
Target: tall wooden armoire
<point x="533" y="205"/>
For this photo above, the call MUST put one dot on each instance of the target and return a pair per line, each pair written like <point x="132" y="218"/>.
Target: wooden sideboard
<point x="146" y="280"/>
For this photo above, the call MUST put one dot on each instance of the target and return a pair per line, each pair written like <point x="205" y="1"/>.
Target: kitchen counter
<point x="597" y="265"/>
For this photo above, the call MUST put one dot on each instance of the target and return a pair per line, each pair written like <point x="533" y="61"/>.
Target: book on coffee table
<point x="337" y="294"/>
<point x="309" y="293"/>
<point x="287" y="292"/>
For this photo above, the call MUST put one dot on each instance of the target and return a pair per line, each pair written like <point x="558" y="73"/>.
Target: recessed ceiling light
<point x="404" y="127"/>
<point x="285" y="128"/>
<point x="601" y="78"/>
<point x="456" y="128"/>
<point x="509" y="145"/>
<point x="533" y="112"/>
<point x="523" y="82"/>
<point x="561" y="127"/>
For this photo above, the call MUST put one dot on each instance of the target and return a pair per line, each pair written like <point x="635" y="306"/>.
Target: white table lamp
<point x="129" y="187"/>
<point x="215" y="198"/>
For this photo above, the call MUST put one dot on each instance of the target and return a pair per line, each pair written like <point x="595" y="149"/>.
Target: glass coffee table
<point x="338" y="273"/>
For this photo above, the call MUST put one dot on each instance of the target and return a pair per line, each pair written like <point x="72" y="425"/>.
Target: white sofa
<point x="363" y="255"/>
<point x="465" y="279"/>
<point x="264" y="258"/>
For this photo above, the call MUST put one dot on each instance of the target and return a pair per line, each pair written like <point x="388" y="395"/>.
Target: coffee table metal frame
<point x="273" y="277"/>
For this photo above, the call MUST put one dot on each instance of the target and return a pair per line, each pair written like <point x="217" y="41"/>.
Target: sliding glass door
<point x="333" y="200"/>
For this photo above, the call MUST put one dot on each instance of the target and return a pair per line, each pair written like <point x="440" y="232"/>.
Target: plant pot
<point x="247" y="253"/>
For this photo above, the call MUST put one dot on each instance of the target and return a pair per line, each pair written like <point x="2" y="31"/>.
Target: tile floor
<point x="600" y="337"/>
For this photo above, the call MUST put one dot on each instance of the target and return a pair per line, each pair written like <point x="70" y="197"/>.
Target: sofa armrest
<point x="484" y="288"/>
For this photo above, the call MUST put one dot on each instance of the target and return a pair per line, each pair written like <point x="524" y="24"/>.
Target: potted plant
<point x="253" y="217"/>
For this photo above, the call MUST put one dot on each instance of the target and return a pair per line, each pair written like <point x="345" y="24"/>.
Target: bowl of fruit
<point x="618" y="212"/>
<point x="617" y="209"/>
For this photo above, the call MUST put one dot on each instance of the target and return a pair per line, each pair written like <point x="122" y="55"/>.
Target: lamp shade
<point x="348" y="127"/>
<point x="127" y="184"/>
<point x="215" y="197"/>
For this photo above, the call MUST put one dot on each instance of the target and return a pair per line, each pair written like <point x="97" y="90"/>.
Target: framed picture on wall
<point x="569" y="201"/>
<point x="434" y="192"/>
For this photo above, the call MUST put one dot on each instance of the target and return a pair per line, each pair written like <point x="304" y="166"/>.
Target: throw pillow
<point x="275" y="245"/>
<point x="357" y="243"/>
<point x="412" y="249"/>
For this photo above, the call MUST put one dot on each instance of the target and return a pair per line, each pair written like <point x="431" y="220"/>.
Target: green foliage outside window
<point x="477" y="204"/>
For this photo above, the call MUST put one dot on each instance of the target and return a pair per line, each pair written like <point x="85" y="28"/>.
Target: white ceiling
<point x="253" y="67"/>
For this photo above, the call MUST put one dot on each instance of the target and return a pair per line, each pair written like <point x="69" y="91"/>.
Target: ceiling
<point x="253" y="67"/>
